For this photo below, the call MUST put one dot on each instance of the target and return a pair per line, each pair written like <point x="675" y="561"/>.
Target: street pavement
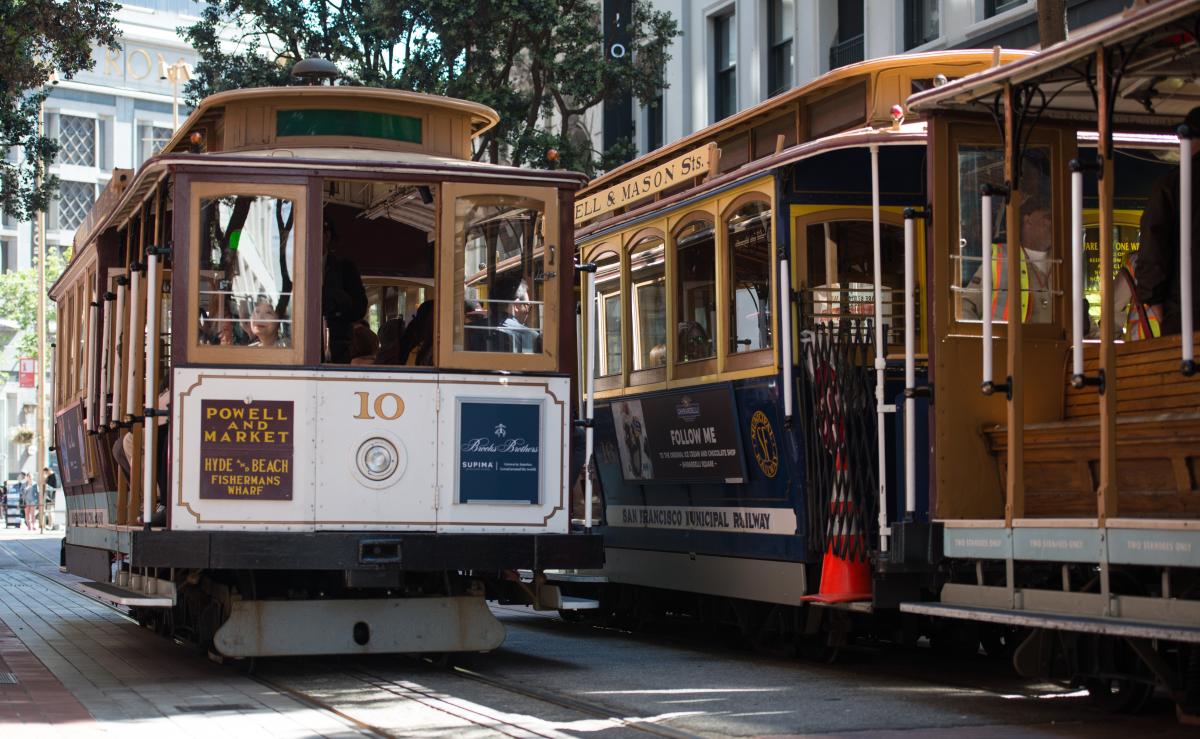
<point x="85" y="669"/>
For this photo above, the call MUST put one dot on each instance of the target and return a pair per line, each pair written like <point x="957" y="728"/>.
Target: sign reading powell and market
<point x="246" y="450"/>
<point x="499" y="457"/>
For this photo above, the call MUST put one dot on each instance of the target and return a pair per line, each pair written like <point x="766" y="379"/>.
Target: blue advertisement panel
<point x="499" y="457"/>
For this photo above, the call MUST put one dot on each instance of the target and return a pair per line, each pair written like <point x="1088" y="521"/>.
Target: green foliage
<point x="38" y="37"/>
<point x="539" y="63"/>
<point x="18" y="300"/>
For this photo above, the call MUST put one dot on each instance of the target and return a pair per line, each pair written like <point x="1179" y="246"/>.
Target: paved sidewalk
<point x="83" y="669"/>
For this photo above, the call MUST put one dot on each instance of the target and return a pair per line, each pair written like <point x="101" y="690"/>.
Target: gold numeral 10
<point x="388" y="406"/>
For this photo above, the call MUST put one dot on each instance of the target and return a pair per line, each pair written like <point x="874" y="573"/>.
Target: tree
<point x="18" y="300"/>
<point x="38" y="37"/>
<point x="1052" y="22"/>
<point x="539" y="63"/>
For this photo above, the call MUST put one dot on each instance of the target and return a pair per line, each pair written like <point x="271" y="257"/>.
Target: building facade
<point x="733" y="54"/>
<point x="115" y="115"/>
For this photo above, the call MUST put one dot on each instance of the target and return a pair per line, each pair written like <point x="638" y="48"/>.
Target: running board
<point x="278" y="628"/>
<point x="115" y="594"/>
<point x="1061" y="622"/>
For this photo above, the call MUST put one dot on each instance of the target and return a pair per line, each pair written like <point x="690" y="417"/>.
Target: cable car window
<point x="648" y="281"/>
<point x="247" y="262"/>
<point x="696" y="291"/>
<point x="608" y="314"/>
<point x="841" y="274"/>
<point x="980" y="165"/>
<point x="749" y="232"/>
<point x="499" y="249"/>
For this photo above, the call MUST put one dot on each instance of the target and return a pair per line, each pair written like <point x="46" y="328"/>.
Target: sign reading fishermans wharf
<point x="246" y="449"/>
<point x="695" y="163"/>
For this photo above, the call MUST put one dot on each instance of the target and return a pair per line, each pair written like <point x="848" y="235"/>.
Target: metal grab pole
<point x="985" y="297"/>
<point x="130" y="342"/>
<point x="1077" y="271"/>
<point x="149" y="396"/>
<point x="785" y="325"/>
<point x="880" y="352"/>
<point x="589" y="385"/>
<point x="910" y="368"/>
<point x="105" y="358"/>
<point x="1186" y="327"/>
<point x="90" y="384"/>
<point x="119" y="342"/>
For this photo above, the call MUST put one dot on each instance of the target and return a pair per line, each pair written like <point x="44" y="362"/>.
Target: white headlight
<point x="377" y="459"/>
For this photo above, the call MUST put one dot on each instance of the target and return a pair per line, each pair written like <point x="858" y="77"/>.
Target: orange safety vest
<point x="999" y="272"/>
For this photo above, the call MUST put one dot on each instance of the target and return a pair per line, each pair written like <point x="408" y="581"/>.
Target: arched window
<point x="608" y="314"/>
<point x="648" y="281"/>
<point x="748" y="232"/>
<point x="696" y="290"/>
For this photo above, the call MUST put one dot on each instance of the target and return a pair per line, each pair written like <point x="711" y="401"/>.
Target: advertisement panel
<point x="27" y="372"/>
<point x="680" y="436"/>
<point x="500" y="457"/>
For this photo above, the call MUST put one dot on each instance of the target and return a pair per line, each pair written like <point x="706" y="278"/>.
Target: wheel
<point x="774" y="637"/>
<point x="1118" y="695"/>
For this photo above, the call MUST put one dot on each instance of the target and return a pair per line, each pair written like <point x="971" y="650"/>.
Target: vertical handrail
<point x="90" y="397"/>
<point x="1076" y="292"/>
<point x="135" y="283"/>
<point x="985" y="297"/>
<point x="785" y="325"/>
<point x="1186" y="324"/>
<point x="590" y="375"/>
<point x="119" y="346"/>
<point x="910" y="369"/>
<point x="149" y="394"/>
<point x="880" y="351"/>
<point x="1078" y="299"/>
<point x="105" y="358"/>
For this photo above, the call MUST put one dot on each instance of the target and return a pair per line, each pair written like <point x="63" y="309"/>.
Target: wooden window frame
<point x="614" y="380"/>
<point x="248" y="355"/>
<point x="764" y="357"/>
<point x="708" y="365"/>
<point x="555" y="248"/>
<point x="650" y="375"/>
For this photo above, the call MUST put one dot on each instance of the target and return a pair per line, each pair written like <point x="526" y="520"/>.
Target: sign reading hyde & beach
<point x="695" y="163"/>
<point x="499" y="457"/>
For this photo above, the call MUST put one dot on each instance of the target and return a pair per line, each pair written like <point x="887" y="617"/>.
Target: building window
<point x="781" y="15"/>
<point x="725" y="65"/>
<point x="655" y="123"/>
<point x="921" y="23"/>
<point x="77" y="140"/>
<point x="8" y="256"/>
<point x="848" y="43"/>
<point x="75" y="199"/>
<point x="151" y="140"/>
<point x="996" y="7"/>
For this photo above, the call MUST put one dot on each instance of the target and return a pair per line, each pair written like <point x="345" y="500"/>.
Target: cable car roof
<point x="1153" y="48"/>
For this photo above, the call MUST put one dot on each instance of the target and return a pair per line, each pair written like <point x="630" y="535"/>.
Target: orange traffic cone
<point x="843" y="579"/>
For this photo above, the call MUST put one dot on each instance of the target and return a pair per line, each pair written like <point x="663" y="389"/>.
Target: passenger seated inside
<point x="390" y="334"/>
<point x="416" y="346"/>
<point x="343" y="299"/>
<point x="364" y="344"/>
<point x="514" y="308"/>
<point x="657" y="356"/>
<point x="693" y="342"/>
<point x="264" y="326"/>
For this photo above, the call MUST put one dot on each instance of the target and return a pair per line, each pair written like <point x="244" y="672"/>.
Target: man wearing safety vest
<point x="1037" y="271"/>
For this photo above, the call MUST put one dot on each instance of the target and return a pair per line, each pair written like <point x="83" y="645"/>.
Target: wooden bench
<point x="1158" y="440"/>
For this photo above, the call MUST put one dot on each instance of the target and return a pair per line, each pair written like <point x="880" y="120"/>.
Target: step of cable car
<point x="118" y="595"/>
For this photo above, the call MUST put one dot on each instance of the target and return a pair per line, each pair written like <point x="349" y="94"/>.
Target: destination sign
<point x="695" y="163"/>
<point x="246" y="449"/>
